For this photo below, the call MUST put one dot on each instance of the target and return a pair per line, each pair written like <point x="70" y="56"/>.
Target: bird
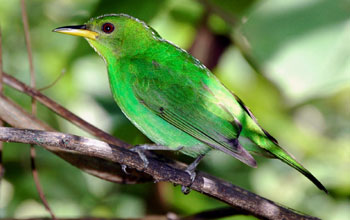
<point x="175" y="100"/>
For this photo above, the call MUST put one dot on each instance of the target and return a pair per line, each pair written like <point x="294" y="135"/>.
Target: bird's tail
<point x="291" y="161"/>
<point x="270" y="147"/>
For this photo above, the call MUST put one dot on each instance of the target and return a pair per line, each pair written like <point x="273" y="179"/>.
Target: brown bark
<point x="15" y="116"/>
<point x="102" y="159"/>
<point x="235" y="196"/>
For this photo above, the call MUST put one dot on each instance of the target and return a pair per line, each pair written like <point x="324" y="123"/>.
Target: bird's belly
<point x="155" y="128"/>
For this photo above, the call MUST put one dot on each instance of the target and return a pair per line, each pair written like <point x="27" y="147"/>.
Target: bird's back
<point x="180" y="98"/>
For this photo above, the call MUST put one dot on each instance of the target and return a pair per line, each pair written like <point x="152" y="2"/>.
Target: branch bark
<point x="15" y="116"/>
<point x="102" y="159"/>
<point x="237" y="197"/>
<point x="150" y="217"/>
<point x="61" y="111"/>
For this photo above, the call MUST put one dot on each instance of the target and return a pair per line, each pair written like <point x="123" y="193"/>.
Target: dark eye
<point x="108" y="28"/>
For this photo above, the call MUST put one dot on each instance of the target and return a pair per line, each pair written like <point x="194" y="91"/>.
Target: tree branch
<point x="150" y="217"/>
<point x="102" y="159"/>
<point x="2" y="171"/>
<point x="61" y="111"/>
<point x="237" y="197"/>
<point x="15" y="116"/>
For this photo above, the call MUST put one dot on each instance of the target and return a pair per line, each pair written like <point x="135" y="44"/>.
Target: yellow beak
<point x="78" y="30"/>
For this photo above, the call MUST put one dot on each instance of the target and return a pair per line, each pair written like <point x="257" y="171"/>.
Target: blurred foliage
<point x="300" y="93"/>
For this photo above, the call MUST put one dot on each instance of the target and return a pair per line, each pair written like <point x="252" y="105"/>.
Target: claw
<point x="124" y="169"/>
<point x="140" y="151"/>
<point x="192" y="174"/>
<point x="191" y="170"/>
<point x="185" y="190"/>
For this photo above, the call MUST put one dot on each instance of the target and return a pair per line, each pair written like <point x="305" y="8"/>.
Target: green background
<point x="288" y="60"/>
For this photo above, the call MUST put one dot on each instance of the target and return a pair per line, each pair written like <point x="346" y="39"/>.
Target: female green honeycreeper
<point x="173" y="98"/>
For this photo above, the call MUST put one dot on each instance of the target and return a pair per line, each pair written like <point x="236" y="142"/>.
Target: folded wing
<point x="185" y="103"/>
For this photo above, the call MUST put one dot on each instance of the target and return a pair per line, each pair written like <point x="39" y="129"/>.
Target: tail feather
<point x="268" y="143"/>
<point x="288" y="159"/>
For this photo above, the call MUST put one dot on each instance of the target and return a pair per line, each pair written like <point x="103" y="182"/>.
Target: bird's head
<point x="114" y="35"/>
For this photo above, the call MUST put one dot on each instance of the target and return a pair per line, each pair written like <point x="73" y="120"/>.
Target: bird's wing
<point x="187" y="104"/>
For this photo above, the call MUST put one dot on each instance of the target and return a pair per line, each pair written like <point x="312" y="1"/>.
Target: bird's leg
<point x="140" y="150"/>
<point x="191" y="170"/>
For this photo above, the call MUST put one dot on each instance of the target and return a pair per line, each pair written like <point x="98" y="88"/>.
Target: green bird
<point x="173" y="98"/>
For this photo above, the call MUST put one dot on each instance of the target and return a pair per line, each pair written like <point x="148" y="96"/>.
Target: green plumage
<point x="174" y="99"/>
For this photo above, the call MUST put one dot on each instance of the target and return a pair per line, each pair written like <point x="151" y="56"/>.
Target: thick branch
<point x="15" y="116"/>
<point x="237" y="197"/>
<point x="80" y="151"/>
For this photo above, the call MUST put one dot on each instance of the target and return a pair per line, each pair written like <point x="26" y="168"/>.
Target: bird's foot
<point x="140" y="150"/>
<point x="191" y="170"/>
<point x="186" y="189"/>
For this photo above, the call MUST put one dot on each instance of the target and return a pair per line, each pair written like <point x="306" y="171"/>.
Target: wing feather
<point x="190" y="107"/>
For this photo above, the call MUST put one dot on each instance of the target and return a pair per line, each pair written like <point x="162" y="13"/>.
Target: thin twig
<point x="235" y="196"/>
<point x="34" y="108"/>
<point x="232" y="20"/>
<point x="29" y="51"/>
<point x="54" y="82"/>
<point x="63" y="112"/>
<point x="1" y="66"/>
<point x="229" y="18"/>
<point x="2" y="170"/>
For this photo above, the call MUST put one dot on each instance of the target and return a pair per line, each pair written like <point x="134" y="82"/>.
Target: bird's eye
<point x="108" y="28"/>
